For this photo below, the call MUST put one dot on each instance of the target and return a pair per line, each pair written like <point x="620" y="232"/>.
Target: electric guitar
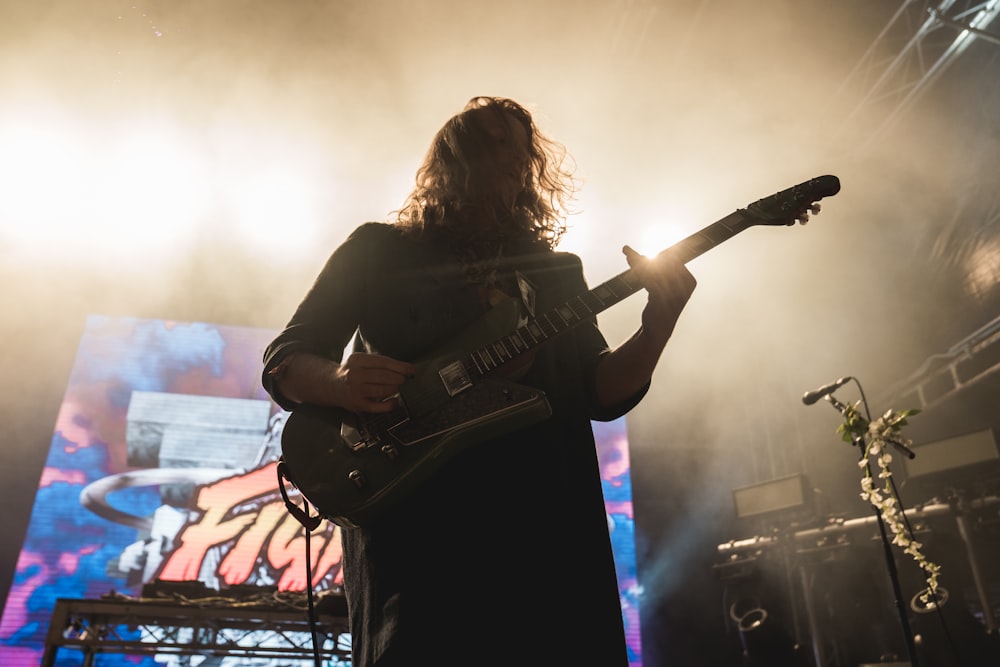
<point x="353" y="468"/>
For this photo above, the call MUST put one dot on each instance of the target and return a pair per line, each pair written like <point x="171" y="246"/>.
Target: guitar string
<point x="485" y="360"/>
<point x="539" y="330"/>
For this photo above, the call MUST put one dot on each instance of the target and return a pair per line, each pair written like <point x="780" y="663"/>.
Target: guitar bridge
<point x="455" y="378"/>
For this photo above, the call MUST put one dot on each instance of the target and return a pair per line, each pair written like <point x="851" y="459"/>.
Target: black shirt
<point x="503" y="556"/>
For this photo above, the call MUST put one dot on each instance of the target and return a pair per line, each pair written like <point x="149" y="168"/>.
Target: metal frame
<point x="804" y="550"/>
<point x="142" y="627"/>
<point x="926" y="37"/>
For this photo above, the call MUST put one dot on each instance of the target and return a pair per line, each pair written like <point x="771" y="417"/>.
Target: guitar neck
<point x="584" y="307"/>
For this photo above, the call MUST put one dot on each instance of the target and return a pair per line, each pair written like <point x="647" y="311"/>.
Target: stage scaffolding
<point x="139" y="627"/>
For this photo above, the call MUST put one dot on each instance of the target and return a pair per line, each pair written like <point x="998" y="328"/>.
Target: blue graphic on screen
<point x="161" y="476"/>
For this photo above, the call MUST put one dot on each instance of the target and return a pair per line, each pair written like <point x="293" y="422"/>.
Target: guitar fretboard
<point x="584" y="307"/>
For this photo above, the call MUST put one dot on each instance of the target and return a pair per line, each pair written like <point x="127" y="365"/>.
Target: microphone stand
<point x="904" y="619"/>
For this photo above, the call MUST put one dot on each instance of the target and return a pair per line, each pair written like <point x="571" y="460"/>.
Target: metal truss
<point x="920" y="41"/>
<point x="139" y="627"/>
<point x="972" y="361"/>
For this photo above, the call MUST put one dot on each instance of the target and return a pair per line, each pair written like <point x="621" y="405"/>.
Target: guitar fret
<point x="567" y="313"/>
<point x="513" y="344"/>
<point x="502" y="354"/>
<point x="539" y="329"/>
<point x="602" y="293"/>
<point x="535" y="331"/>
<point x="585" y="311"/>
<point x="547" y="320"/>
<point x="613" y="291"/>
<point x="486" y="360"/>
<point x="473" y="362"/>
<point x="483" y="361"/>
<point x="591" y="302"/>
<point x="619" y="288"/>
<point x="490" y="353"/>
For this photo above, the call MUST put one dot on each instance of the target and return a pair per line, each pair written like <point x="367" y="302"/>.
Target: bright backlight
<point x="143" y="189"/>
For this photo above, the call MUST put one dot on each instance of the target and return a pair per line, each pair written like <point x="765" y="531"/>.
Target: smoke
<point x="294" y="122"/>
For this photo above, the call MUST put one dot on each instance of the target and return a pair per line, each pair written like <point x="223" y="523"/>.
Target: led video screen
<point x="161" y="474"/>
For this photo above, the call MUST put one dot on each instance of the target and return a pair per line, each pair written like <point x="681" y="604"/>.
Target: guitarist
<point x="503" y="555"/>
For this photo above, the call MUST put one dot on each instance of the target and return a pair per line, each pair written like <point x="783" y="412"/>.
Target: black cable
<point x="313" y="621"/>
<point x="310" y="523"/>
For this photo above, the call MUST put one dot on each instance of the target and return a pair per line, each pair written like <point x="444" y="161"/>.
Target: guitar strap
<point x="528" y="292"/>
<point x="310" y="523"/>
<point x="492" y="295"/>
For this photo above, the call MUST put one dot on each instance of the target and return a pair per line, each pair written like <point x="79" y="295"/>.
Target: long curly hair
<point x="453" y="193"/>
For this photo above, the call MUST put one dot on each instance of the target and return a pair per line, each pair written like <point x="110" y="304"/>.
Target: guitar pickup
<point x="455" y="378"/>
<point x="352" y="437"/>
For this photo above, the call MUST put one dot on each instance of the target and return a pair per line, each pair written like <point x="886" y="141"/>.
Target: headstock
<point x="794" y="204"/>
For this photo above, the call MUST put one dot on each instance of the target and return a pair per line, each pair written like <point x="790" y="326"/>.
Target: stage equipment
<point x="762" y="608"/>
<point x="811" y="397"/>
<point x="210" y="627"/>
<point x="815" y="552"/>
<point x="762" y="611"/>
<point x="837" y="531"/>
<point x="858" y="440"/>
<point x="784" y="498"/>
<point x="764" y="641"/>
<point x="969" y="461"/>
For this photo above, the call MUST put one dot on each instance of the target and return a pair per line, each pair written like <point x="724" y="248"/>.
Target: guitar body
<point x="351" y="482"/>
<point x="353" y="468"/>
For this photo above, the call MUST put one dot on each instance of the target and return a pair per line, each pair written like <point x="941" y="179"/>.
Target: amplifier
<point x="785" y="498"/>
<point x="965" y="460"/>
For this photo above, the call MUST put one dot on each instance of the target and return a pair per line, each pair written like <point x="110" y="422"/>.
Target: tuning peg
<point x="804" y="217"/>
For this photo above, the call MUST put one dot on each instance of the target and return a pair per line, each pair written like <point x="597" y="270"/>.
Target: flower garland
<point x="877" y="436"/>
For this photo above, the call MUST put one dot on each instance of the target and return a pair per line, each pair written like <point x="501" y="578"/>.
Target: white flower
<point x="877" y="434"/>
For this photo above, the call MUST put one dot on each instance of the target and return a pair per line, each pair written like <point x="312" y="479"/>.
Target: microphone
<point x="811" y="397"/>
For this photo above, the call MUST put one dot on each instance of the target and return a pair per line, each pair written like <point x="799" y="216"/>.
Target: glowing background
<point x="196" y="161"/>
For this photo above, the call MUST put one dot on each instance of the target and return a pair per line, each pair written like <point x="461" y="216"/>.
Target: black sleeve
<point x="328" y="315"/>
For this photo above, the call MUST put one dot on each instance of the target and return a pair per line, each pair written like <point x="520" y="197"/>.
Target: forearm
<point x="304" y="377"/>
<point x="629" y="367"/>
<point x="361" y="383"/>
